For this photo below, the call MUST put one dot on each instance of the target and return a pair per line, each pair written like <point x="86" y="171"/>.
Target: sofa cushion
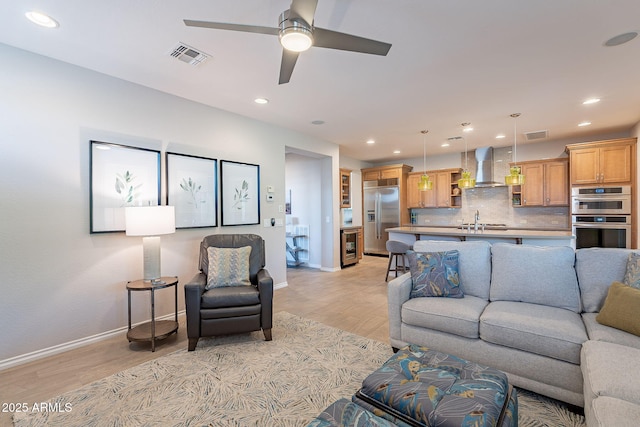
<point x="234" y="296"/>
<point x="535" y="274"/>
<point x="474" y="263"/>
<point x="609" y="411"/>
<point x="632" y="274"/>
<point x="621" y="309"/>
<point x="597" y="268"/>
<point x="539" y="329"/>
<point x="434" y="274"/>
<point x="228" y="266"/>
<point x="610" y="370"/>
<point x="458" y="316"/>
<point x="599" y="332"/>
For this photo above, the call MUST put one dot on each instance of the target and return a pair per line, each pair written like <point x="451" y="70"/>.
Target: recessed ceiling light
<point x="621" y="39"/>
<point x="467" y="129"/>
<point x="42" y="19"/>
<point x="444" y="144"/>
<point x="261" y="101"/>
<point x="371" y="141"/>
<point x="584" y="124"/>
<point x="591" y="101"/>
<point x="500" y="136"/>
<point x="396" y="151"/>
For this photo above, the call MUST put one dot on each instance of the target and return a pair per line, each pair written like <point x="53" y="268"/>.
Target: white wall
<point x="61" y="283"/>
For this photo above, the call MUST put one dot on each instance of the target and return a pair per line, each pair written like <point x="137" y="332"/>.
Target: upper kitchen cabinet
<point x="385" y="172"/>
<point x="445" y="192"/>
<point x="546" y="184"/>
<point x="602" y="162"/>
<point x="345" y="188"/>
<point x="414" y="196"/>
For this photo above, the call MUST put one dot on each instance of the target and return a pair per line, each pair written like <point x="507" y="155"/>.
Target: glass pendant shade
<point x="425" y="183"/>
<point x="514" y="177"/>
<point x="466" y="181"/>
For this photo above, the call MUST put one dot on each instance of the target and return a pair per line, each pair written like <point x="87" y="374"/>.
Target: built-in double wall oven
<point x="601" y="216"/>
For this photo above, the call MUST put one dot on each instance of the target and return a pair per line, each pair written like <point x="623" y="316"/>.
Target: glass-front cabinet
<point x="345" y="188"/>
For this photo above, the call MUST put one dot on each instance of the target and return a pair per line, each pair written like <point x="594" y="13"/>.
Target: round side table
<point x="155" y="329"/>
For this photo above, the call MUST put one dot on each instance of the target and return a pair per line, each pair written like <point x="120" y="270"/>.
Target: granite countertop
<point x="509" y="233"/>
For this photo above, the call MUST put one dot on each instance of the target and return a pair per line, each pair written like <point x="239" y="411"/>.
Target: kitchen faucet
<point x="477" y="218"/>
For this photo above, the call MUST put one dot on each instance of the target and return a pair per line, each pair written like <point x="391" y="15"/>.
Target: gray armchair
<point x="230" y="310"/>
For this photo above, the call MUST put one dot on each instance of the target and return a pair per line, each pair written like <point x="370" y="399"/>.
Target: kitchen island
<point x="409" y="234"/>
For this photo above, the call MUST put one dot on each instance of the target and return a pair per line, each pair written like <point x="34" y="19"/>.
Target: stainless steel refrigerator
<point x="382" y="211"/>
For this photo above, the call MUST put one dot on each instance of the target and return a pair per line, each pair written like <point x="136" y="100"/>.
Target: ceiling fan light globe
<point x="296" y="39"/>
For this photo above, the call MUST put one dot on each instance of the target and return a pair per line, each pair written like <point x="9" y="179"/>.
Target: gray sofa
<point x="531" y="312"/>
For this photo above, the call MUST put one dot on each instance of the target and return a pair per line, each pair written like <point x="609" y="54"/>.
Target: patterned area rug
<point x="243" y="380"/>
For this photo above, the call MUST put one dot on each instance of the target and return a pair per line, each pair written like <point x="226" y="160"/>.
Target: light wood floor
<point x="353" y="299"/>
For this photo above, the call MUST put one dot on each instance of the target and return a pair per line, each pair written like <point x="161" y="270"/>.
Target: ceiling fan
<point x="297" y="34"/>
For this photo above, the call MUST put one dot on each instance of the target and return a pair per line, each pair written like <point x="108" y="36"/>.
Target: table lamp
<point x="150" y="222"/>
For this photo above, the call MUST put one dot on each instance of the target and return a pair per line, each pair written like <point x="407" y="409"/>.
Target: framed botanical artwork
<point x="120" y="176"/>
<point x="192" y="185"/>
<point x="240" y="193"/>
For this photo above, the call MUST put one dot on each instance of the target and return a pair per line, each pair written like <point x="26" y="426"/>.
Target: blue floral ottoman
<point x="344" y="413"/>
<point x="422" y="387"/>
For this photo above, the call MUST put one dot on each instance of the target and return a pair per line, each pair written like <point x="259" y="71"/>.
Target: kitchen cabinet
<point x="546" y="183"/>
<point x="345" y="188"/>
<point x="415" y="197"/>
<point x="602" y="162"/>
<point x="445" y="192"/>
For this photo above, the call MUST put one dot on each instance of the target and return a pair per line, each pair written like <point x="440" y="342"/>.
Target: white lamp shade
<point x="150" y="220"/>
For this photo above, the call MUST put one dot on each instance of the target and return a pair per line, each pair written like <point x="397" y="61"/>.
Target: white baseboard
<point x="61" y="348"/>
<point x="330" y="269"/>
<point x="280" y="285"/>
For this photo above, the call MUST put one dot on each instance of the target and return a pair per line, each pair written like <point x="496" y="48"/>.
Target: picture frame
<point x="192" y="188"/>
<point x="120" y="176"/>
<point x="240" y="193"/>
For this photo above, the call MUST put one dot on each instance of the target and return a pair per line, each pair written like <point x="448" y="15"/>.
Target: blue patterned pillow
<point x="435" y="274"/>
<point x="632" y="276"/>
<point x="228" y="267"/>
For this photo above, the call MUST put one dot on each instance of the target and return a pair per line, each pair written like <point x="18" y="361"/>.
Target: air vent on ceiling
<point x="539" y="134"/>
<point x="188" y="54"/>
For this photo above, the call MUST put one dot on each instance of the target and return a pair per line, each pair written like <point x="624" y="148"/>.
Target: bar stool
<point x="398" y="251"/>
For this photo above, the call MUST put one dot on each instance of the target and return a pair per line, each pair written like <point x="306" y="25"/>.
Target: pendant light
<point x="466" y="181"/>
<point x="514" y="177"/>
<point x="425" y="182"/>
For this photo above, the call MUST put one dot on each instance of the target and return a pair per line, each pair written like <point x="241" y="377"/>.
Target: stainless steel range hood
<point x="484" y="168"/>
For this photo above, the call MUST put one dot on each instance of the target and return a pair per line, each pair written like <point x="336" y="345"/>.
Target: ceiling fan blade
<point x="289" y="59"/>
<point x="304" y="9"/>
<point x="342" y="41"/>
<point x="232" y="27"/>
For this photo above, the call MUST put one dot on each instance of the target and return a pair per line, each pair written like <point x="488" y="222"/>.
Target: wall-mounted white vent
<point x="539" y="134"/>
<point x="188" y="54"/>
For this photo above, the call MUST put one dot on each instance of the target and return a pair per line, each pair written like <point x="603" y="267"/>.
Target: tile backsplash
<point x="494" y="205"/>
